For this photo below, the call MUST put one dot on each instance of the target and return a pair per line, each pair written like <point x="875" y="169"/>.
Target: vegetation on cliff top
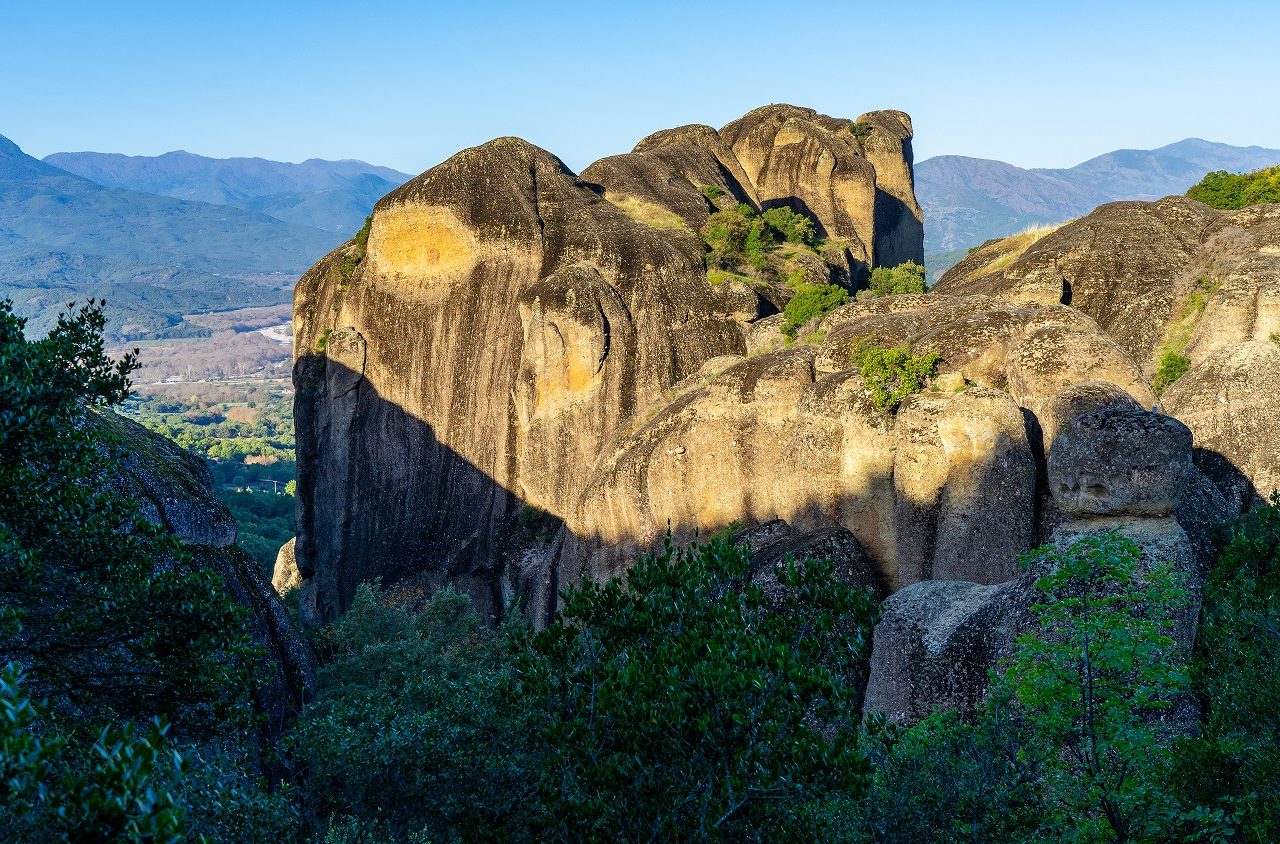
<point x="891" y="373"/>
<point x="1233" y="191"/>
<point x="907" y="277"/>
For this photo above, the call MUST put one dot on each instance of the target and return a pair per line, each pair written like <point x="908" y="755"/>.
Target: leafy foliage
<point x="120" y="792"/>
<point x="1173" y="365"/>
<point x="791" y="226"/>
<point x="686" y="707"/>
<point x="810" y="302"/>
<point x="1095" y="675"/>
<point x="1232" y="191"/>
<point x="711" y="192"/>
<point x="110" y="620"/>
<point x="946" y="779"/>
<point x="411" y="729"/>
<point x="115" y="617"/>
<point x="892" y="373"/>
<point x="907" y="277"/>
<point x="739" y="237"/>
<point x="1233" y="767"/>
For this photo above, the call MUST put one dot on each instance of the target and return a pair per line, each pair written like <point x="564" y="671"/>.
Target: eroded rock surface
<point x="938" y="641"/>
<point x="508" y="321"/>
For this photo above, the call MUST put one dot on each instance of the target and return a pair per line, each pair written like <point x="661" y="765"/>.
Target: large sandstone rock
<point x="507" y="320"/>
<point x="1173" y="275"/>
<point x="1231" y="402"/>
<point x="964" y="482"/>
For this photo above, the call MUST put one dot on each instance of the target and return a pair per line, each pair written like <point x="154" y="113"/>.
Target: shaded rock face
<point x="507" y="320"/>
<point x="946" y="487"/>
<point x="1173" y="275"/>
<point x="1232" y="403"/>
<point x="175" y="490"/>
<point x="937" y="641"/>
<point x="772" y="542"/>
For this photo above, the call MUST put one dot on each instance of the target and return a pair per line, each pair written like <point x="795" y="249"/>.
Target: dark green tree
<point x="686" y="706"/>
<point x="102" y="615"/>
<point x="1091" y="681"/>
<point x="1232" y="770"/>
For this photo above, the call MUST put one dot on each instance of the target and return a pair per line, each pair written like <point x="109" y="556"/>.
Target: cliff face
<point x="461" y="374"/>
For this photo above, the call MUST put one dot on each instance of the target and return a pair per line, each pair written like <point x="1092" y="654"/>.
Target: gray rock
<point x="1120" y="462"/>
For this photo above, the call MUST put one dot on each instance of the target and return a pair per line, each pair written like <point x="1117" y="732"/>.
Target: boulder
<point x="1120" y="462"/>
<point x="937" y="641"/>
<point x="772" y="542"/>
<point x="1231" y="402"/>
<point x="285" y="577"/>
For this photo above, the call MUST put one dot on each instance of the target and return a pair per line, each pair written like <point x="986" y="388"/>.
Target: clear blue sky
<point x="408" y="83"/>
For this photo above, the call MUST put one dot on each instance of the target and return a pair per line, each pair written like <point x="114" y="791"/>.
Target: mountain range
<point x="155" y="255"/>
<point x="329" y="195"/>
<point x="968" y="201"/>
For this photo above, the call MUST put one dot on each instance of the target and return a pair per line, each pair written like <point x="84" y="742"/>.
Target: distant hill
<point x="968" y="201"/>
<point x="154" y="258"/>
<point x="330" y="195"/>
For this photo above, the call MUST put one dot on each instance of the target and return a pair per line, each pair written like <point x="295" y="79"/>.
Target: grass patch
<point x="1173" y="364"/>
<point x="1015" y="246"/>
<point x="648" y="213"/>
<point x="717" y="277"/>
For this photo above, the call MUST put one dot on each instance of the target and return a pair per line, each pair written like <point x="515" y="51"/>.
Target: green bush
<point x="790" y="226"/>
<point x="711" y="192"/>
<point x="1173" y="365"/>
<point x="411" y="727"/>
<point x="113" y="621"/>
<point x="860" y="130"/>
<point x="740" y="237"/>
<point x="1231" y="191"/>
<point x="683" y="706"/>
<point x="948" y="779"/>
<point x="725" y="234"/>
<point x="907" y="277"/>
<point x="810" y="302"/>
<point x="892" y="373"/>
<point x="686" y="706"/>
<point x="1233" y="767"/>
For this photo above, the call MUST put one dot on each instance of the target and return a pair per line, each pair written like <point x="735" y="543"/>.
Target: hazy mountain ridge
<point x="970" y="200"/>
<point x="329" y="195"/>
<point x="154" y="257"/>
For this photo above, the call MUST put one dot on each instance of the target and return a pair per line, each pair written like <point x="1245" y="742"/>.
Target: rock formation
<point x="1109" y="470"/>
<point x="175" y="491"/>
<point x="1173" y="276"/>
<point x="524" y="377"/>
<point x="506" y="320"/>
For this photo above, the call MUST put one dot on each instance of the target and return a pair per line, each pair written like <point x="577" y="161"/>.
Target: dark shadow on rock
<point x="380" y="497"/>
